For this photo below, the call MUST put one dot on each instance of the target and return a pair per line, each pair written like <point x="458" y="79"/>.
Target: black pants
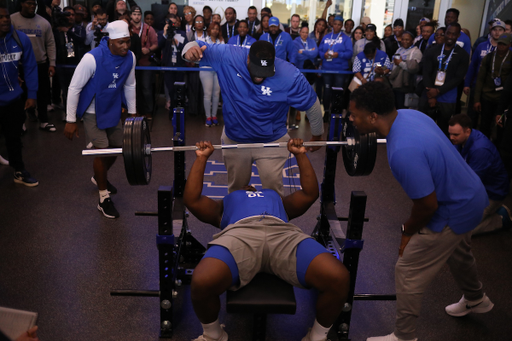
<point x="487" y="120"/>
<point x="43" y="92"/>
<point x="441" y="114"/>
<point x="169" y="79"/>
<point x="12" y="117"/>
<point x="505" y="146"/>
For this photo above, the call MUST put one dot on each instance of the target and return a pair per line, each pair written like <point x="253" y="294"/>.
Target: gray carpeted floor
<point x="60" y="257"/>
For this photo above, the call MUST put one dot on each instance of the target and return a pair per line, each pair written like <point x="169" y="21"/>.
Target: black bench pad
<point x="265" y="294"/>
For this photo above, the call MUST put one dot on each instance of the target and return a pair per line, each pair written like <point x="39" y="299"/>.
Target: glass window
<point x="309" y="10"/>
<point x="418" y="10"/>
<point x="380" y="12"/>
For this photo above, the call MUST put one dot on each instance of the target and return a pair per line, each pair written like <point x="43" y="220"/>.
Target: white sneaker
<point x="3" y="161"/>
<point x="308" y="336"/>
<point x="464" y="307"/>
<point x="49" y="108"/>
<point x="390" y="337"/>
<point x="223" y="337"/>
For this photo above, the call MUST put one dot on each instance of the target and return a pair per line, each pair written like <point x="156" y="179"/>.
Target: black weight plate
<point x="148" y="164"/>
<point x="127" y="152"/>
<point x="359" y="159"/>
<point x="141" y="161"/>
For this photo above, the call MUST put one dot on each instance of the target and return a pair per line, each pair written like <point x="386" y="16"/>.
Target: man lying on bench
<point x="257" y="237"/>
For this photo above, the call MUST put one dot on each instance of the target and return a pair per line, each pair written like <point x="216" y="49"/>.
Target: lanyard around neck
<point x="278" y="39"/>
<point x="238" y="41"/>
<point x="502" y="62"/>
<point x="232" y="30"/>
<point x="440" y="58"/>
<point x="335" y="40"/>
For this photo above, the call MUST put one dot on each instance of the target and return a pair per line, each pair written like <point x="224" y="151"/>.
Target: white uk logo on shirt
<point x="113" y="84"/>
<point x="263" y="63"/>
<point x="265" y="90"/>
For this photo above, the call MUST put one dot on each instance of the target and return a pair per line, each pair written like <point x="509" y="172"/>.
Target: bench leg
<point x="259" y="327"/>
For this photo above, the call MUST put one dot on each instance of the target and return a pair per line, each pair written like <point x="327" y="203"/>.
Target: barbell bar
<point x="149" y="150"/>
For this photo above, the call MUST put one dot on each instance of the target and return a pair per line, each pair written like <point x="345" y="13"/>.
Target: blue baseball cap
<point x="339" y="18"/>
<point x="273" y="21"/>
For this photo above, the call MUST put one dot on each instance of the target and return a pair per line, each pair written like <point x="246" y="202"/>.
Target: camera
<point x="171" y="29"/>
<point x="99" y="34"/>
<point x="60" y="19"/>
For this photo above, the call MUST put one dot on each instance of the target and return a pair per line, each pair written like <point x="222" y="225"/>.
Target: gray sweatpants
<point x="422" y="259"/>
<point x="270" y="163"/>
<point x="491" y="220"/>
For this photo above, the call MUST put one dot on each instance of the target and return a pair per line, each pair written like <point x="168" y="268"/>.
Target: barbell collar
<point x="148" y="149"/>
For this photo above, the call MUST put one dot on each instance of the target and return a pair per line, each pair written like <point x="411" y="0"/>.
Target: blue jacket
<point x="485" y="160"/>
<point x="480" y="52"/>
<point x="283" y="44"/>
<point x="309" y="51"/>
<point x="235" y="40"/>
<point x="10" y="56"/>
<point x="342" y="45"/>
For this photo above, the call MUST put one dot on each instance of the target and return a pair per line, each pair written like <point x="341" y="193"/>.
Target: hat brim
<point x="260" y="71"/>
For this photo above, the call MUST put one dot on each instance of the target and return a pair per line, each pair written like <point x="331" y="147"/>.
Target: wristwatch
<point x="405" y="233"/>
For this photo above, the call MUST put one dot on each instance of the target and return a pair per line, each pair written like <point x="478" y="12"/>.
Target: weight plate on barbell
<point x="358" y="157"/>
<point x="141" y="160"/>
<point x="127" y="151"/>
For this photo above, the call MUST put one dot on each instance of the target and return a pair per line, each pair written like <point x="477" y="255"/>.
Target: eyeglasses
<point x="438" y="34"/>
<point x="188" y="13"/>
<point x="199" y="22"/>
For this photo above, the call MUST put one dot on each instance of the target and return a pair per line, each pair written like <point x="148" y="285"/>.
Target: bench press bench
<point x="265" y="294"/>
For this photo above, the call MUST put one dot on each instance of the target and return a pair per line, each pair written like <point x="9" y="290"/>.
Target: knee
<point x="335" y="280"/>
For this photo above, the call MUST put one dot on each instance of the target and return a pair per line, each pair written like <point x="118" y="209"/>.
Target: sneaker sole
<point x="477" y="310"/>
<point x="26" y="184"/>
<point x="106" y="215"/>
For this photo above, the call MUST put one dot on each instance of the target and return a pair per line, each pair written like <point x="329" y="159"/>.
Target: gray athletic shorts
<point x="262" y="244"/>
<point x="102" y="138"/>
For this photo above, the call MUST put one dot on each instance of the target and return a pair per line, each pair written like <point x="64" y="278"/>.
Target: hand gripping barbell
<point x="359" y="150"/>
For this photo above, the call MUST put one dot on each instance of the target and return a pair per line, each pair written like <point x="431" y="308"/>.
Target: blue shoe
<point x="215" y="122"/>
<point x="208" y="122"/>
<point x="504" y="212"/>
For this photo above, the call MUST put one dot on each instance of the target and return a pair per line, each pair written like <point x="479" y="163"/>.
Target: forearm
<point x="187" y="47"/>
<point x="194" y="185"/>
<point x="308" y="180"/>
<point x="314" y="115"/>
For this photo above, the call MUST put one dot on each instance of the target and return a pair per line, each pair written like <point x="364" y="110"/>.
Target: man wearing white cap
<point x="103" y="76"/>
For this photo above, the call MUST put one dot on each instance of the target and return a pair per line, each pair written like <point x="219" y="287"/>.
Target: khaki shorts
<point x="262" y="244"/>
<point x="102" y="138"/>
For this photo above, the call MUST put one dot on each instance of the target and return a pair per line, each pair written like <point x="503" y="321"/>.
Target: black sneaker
<point x="23" y="177"/>
<point x="110" y="188"/>
<point x="108" y="209"/>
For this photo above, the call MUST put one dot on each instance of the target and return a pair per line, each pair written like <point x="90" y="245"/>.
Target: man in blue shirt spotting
<point x="257" y="90"/>
<point x="483" y="157"/>
<point x="448" y="203"/>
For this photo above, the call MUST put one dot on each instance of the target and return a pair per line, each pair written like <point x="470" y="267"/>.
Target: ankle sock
<point x="319" y="332"/>
<point x="103" y="195"/>
<point x="212" y="330"/>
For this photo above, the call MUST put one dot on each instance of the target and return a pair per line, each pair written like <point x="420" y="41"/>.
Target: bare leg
<point x="211" y="278"/>
<point x="101" y="165"/>
<point x="330" y="277"/>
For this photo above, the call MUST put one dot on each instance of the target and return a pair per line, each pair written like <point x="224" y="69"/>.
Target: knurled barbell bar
<point x="358" y="156"/>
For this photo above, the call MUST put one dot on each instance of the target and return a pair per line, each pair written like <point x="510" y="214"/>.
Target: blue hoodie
<point x="340" y="43"/>
<point x="10" y="56"/>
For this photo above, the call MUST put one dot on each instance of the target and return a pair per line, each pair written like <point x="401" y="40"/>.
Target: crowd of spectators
<point x="428" y="69"/>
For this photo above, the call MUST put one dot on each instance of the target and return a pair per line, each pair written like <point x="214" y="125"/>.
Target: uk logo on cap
<point x="263" y="62"/>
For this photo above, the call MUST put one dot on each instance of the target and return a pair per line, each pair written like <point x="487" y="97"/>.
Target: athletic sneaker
<point x="504" y="212"/>
<point x="215" y="122"/>
<point x="108" y="209"/>
<point x="390" y="337"/>
<point x="110" y="188"/>
<point x="208" y="122"/>
<point x="23" y="177"/>
<point x="3" y="161"/>
<point x="308" y="336"/>
<point x="223" y="337"/>
<point x="464" y="307"/>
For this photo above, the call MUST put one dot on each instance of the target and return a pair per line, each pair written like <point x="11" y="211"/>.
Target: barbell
<point x="359" y="151"/>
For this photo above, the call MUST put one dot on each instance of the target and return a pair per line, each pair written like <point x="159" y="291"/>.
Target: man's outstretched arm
<point x="297" y="203"/>
<point x="203" y="208"/>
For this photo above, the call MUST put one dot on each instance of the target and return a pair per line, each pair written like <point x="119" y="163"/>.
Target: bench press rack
<point x="179" y="252"/>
